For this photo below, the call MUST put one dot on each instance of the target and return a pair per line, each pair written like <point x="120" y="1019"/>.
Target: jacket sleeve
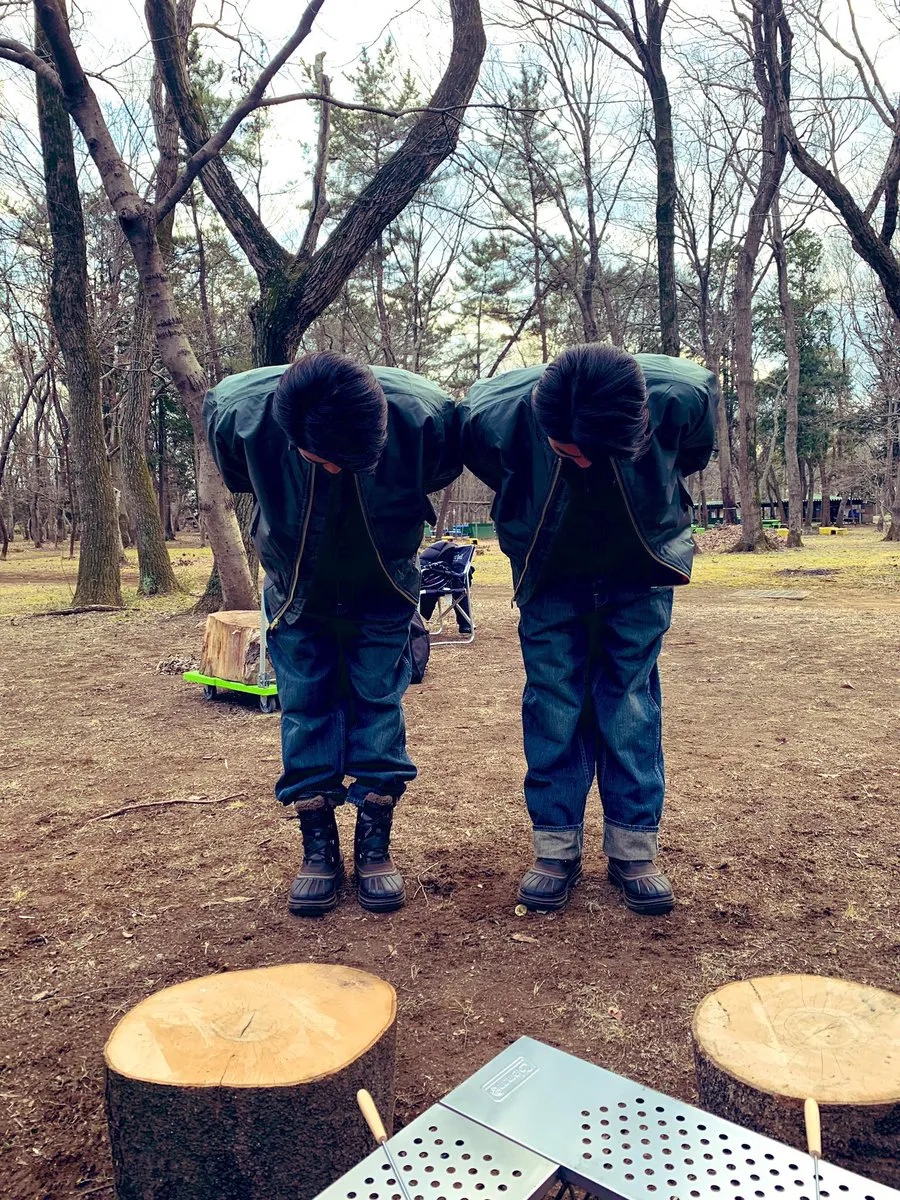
<point x="444" y="464"/>
<point x="698" y="438"/>
<point x="226" y="447"/>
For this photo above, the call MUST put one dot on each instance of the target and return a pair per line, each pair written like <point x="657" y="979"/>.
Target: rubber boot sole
<point x="550" y="905"/>
<point x="388" y="904"/>
<point x="318" y="908"/>
<point x="644" y="908"/>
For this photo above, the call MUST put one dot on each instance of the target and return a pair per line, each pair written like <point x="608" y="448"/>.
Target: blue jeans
<point x="341" y="680"/>
<point x="592" y="709"/>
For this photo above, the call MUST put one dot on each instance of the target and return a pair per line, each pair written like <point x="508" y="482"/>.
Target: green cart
<point x="265" y="688"/>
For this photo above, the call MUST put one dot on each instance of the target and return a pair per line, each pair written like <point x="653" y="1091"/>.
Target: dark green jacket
<point x="253" y="455"/>
<point x="502" y="445"/>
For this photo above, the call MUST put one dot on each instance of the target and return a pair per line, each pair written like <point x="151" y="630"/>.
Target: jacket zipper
<point x="287" y="604"/>
<point x="397" y="588"/>
<point x="556" y="470"/>
<point x="662" y="562"/>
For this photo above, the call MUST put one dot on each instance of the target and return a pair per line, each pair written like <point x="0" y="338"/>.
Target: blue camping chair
<point x="447" y="571"/>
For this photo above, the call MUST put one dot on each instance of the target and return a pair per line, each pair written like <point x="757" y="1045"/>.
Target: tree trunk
<point x="120" y="519"/>
<point x="666" y="194"/>
<point x="136" y="218"/>
<point x="704" y="509"/>
<point x="825" y="488"/>
<point x="792" y="351"/>
<point x="446" y="498"/>
<point x="774" y="153"/>
<point x="762" y="1046"/>
<point x="156" y="575"/>
<point x="6" y="534"/>
<point x="64" y="435"/>
<point x="775" y="499"/>
<point x="98" y="563"/>
<point x="384" y="320"/>
<point x="723" y="449"/>
<point x="810" y="492"/>
<point x="36" y="522"/>
<point x="242" y="1086"/>
<point x="211" y="600"/>
<point x="214" y="364"/>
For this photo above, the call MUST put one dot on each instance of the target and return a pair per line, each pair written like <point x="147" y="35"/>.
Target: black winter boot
<point x="315" y="890"/>
<point x="379" y="885"/>
<point x="646" y="889"/>
<point x="547" y="884"/>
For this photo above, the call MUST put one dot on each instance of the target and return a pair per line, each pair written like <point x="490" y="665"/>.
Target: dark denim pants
<point x="341" y="679"/>
<point x="592" y="709"/>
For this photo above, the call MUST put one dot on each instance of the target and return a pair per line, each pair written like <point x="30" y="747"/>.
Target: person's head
<point x="590" y="402"/>
<point x="332" y="411"/>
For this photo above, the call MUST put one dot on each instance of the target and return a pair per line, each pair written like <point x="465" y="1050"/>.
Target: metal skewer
<point x="379" y="1133"/>
<point x="813" y="1124"/>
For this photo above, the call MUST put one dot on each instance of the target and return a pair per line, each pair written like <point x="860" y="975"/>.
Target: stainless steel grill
<point x="535" y="1116"/>
<point x="444" y="1156"/>
<point x="618" y="1139"/>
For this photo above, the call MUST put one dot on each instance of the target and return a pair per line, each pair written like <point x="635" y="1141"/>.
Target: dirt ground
<point x="779" y="834"/>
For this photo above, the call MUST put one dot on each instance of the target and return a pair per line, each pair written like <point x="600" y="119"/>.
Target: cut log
<point x="231" y="646"/>
<point x="242" y="1086"/>
<point x="762" y="1046"/>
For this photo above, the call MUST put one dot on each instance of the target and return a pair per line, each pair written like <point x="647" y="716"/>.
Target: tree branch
<point x="263" y="251"/>
<point x="249" y="104"/>
<point x="319" y="207"/>
<point x="351" y="106"/>
<point x="866" y="242"/>
<point x="16" y="52"/>
<point x="429" y="142"/>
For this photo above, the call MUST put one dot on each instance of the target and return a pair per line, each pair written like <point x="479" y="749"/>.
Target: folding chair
<point x="447" y="571"/>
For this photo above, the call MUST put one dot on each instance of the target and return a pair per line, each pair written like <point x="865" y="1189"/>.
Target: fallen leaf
<point x="127" y="933"/>
<point x="616" y="1013"/>
<point x="848" y="685"/>
<point x="227" y="900"/>
<point x="42" y="996"/>
<point x="523" y="937"/>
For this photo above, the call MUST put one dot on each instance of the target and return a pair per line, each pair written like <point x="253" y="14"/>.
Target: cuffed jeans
<point x="341" y="680"/>
<point x="592" y="709"/>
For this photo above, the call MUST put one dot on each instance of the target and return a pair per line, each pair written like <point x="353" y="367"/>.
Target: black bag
<point x="419" y="647"/>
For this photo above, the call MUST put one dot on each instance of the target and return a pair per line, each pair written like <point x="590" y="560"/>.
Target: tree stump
<point x="762" y="1046"/>
<point x="242" y="1086"/>
<point x="231" y="646"/>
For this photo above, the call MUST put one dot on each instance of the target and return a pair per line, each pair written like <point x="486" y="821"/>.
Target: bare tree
<point x="871" y="237"/>
<point x="296" y="287"/>
<point x="871" y="242"/>
<point x="98" y="564"/>
<point x="711" y="186"/>
<point x="156" y="575"/>
<point x="639" y="43"/>
<point x="773" y="157"/>
<point x="792" y="386"/>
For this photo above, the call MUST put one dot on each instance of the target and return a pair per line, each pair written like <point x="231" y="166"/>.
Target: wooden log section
<point x="242" y="1086"/>
<point x="762" y="1046"/>
<point x="231" y="646"/>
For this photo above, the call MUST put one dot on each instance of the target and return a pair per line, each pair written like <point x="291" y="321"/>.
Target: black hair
<point x="334" y="408"/>
<point x="594" y="397"/>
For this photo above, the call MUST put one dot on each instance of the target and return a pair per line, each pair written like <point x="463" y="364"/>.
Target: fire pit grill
<point x="535" y="1116"/>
